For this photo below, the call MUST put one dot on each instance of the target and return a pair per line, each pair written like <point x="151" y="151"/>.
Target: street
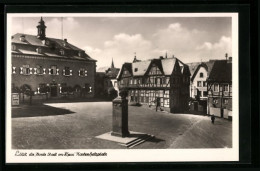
<point x="75" y="126"/>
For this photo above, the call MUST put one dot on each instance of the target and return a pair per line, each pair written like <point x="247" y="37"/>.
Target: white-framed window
<point x="25" y="70"/>
<point x="83" y="72"/>
<point x="13" y="70"/>
<point x="67" y="71"/>
<point x="215" y="87"/>
<point x="53" y="70"/>
<point x="38" y="70"/>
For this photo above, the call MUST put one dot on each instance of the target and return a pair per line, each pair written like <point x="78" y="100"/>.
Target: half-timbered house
<point x="164" y="78"/>
<point x="220" y="89"/>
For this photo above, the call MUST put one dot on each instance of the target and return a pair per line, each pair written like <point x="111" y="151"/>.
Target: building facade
<point x="165" y="78"/>
<point x="220" y="89"/>
<point x="106" y="82"/>
<point x="50" y="65"/>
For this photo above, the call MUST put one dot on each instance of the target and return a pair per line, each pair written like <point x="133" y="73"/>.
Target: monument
<point x="120" y="115"/>
<point x="120" y="132"/>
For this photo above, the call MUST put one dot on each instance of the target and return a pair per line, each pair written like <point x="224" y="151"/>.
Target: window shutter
<point x="14" y="70"/>
<point x="21" y="70"/>
<point x="49" y="71"/>
<point x="86" y="73"/>
<point x="70" y="72"/>
<point x="57" y="71"/>
<point x="35" y="70"/>
<point x="44" y="71"/>
<point x="30" y="70"/>
<point x="63" y="72"/>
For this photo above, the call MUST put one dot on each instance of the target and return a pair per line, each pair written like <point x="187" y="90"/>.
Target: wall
<point x="34" y="80"/>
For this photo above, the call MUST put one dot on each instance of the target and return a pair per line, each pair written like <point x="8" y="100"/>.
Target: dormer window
<point x="22" y="38"/>
<point x="201" y="75"/>
<point x="13" y="47"/>
<point x="65" y="43"/>
<point x="39" y="50"/>
<point x="80" y="54"/>
<point x="62" y="52"/>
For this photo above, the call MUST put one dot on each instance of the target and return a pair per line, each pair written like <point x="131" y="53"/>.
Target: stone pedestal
<point x="120" y="117"/>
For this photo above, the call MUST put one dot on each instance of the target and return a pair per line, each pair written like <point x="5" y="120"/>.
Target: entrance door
<point x="54" y="90"/>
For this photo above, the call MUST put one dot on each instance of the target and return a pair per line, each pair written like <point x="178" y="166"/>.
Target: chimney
<point x="229" y="60"/>
<point x="226" y="55"/>
<point x="65" y="43"/>
<point x="22" y="38"/>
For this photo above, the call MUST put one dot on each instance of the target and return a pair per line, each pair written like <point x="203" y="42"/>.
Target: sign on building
<point x="15" y="99"/>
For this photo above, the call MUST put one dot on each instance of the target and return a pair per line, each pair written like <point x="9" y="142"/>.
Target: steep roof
<point x="221" y="72"/>
<point x="112" y="72"/>
<point x="194" y="67"/>
<point x="127" y="66"/>
<point x="168" y="65"/>
<point x="140" y="68"/>
<point x="32" y="42"/>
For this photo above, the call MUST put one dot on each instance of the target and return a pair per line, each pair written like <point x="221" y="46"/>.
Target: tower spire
<point x="166" y="55"/>
<point x="112" y="64"/>
<point x="41" y="30"/>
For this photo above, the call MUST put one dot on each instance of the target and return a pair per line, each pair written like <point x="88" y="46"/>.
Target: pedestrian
<point x="212" y="119"/>
<point x="158" y="103"/>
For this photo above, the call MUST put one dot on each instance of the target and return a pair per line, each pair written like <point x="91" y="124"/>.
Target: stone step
<point x="138" y="141"/>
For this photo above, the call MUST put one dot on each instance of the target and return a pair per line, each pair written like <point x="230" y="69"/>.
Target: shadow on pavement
<point x="155" y="140"/>
<point x="38" y="110"/>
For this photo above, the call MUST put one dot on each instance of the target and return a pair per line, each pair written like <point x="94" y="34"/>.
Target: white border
<point x="133" y="155"/>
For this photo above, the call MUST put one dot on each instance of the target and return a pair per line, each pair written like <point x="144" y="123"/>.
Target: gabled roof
<point x="221" y="72"/>
<point x="140" y="68"/>
<point x="112" y="72"/>
<point x="194" y="67"/>
<point x="168" y="65"/>
<point x="128" y="67"/>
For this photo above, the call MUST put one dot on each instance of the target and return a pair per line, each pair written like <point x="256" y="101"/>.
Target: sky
<point x="190" y="39"/>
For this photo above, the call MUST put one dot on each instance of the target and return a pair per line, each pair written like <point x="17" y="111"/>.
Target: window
<point x="14" y="70"/>
<point x="215" y="101"/>
<point x="166" y="93"/>
<point x="53" y="70"/>
<point x="13" y="47"/>
<point x="83" y="72"/>
<point x="199" y="84"/>
<point x="205" y="93"/>
<point x="230" y="88"/>
<point x="204" y="83"/>
<point x="39" y="50"/>
<point x="25" y="70"/>
<point x="80" y="53"/>
<point x="225" y="87"/>
<point x="38" y="70"/>
<point x="136" y="69"/>
<point x="225" y="101"/>
<point x="67" y="71"/>
<point x="62" y="52"/>
<point x="215" y="88"/>
<point x="155" y="70"/>
<point x="201" y="75"/>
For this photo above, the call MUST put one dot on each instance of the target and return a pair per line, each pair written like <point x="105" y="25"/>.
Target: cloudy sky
<point x="191" y="39"/>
